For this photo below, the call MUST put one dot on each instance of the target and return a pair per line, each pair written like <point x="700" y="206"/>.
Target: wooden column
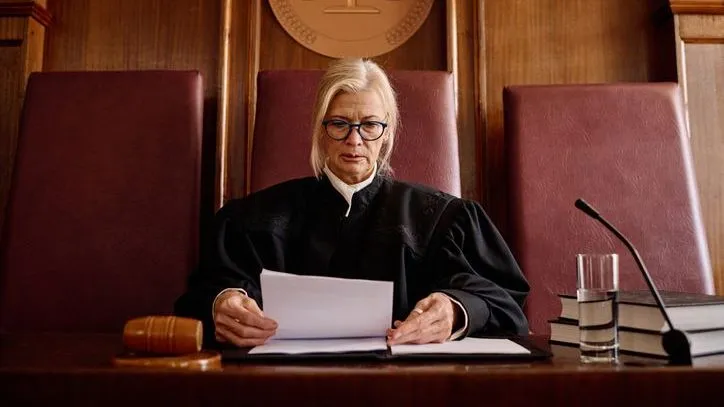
<point x="700" y="59"/>
<point x="22" y="37"/>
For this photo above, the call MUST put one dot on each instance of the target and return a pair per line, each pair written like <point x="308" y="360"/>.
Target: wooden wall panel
<point x="700" y="45"/>
<point x="558" y="42"/>
<point x="135" y="34"/>
<point x="244" y="25"/>
<point x="465" y="51"/>
<point x="705" y="83"/>
<point x="21" y="52"/>
<point x="11" y="78"/>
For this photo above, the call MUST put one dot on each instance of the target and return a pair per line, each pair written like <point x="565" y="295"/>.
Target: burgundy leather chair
<point x="103" y="211"/>
<point x="623" y="148"/>
<point x="426" y="147"/>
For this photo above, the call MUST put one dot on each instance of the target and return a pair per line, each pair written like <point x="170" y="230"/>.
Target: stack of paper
<point x="336" y="315"/>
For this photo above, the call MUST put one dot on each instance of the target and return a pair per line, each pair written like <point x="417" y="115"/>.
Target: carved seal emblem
<point x="351" y="28"/>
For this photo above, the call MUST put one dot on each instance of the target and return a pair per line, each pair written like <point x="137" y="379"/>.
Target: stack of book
<point x="641" y="323"/>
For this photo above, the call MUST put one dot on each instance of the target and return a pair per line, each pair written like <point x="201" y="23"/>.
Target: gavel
<point x="166" y="342"/>
<point x="163" y="335"/>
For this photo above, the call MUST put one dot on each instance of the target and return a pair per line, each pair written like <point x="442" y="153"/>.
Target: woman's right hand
<point x="240" y="321"/>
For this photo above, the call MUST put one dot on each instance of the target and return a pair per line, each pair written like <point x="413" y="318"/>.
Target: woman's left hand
<point x="430" y="321"/>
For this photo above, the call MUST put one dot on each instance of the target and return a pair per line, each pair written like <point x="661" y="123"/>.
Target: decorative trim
<point x="697" y="6"/>
<point x="481" y="97"/>
<point x="466" y="62"/>
<point x="252" y="70"/>
<point x="452" y="47"/>
<point x="288" y="18"/>
<point x="222" y="127"/>
<point x="26" y="9"/>
<point x="700" y="29"/>
<point x="413" y="20"/>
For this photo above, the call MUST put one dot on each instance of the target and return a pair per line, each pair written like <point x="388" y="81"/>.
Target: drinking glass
<point x="597" y="293"/>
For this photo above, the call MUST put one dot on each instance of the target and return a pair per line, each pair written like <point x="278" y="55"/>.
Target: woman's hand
<point x="431" y="320"/>
<point x="239" y="320"/>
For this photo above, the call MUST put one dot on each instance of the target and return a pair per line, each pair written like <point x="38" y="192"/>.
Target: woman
<point x="453" y="274"/>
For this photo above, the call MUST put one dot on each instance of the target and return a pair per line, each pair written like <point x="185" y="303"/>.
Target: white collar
<point x="347" y="190"/>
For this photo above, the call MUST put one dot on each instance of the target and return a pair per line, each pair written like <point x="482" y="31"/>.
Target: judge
<point x="453" y="274"/>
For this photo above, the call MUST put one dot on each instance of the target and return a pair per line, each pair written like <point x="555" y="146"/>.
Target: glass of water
<point x="598" y="307"/>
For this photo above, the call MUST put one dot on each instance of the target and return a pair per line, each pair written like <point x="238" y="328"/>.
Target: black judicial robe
<point x="421" y="239"/>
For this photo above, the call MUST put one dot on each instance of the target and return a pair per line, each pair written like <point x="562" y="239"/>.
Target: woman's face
<point x="353" y="159"/>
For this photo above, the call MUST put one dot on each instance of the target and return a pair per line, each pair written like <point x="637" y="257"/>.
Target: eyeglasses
<point x="339" y="129"/>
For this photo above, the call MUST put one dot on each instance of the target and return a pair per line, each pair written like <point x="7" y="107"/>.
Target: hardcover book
<point x="638" y="310"/>
<point x="648" y="343"/>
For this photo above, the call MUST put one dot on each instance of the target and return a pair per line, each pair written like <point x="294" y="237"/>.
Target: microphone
<point x="675" y="342"/>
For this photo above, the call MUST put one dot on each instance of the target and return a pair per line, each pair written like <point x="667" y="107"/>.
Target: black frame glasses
<point x="350" y="126"/>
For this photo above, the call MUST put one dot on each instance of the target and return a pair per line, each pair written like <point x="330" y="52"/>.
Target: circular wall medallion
<point x="351" y="28"/>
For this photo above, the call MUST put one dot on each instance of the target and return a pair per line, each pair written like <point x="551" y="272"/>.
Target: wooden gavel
<point x="163" y="335"/>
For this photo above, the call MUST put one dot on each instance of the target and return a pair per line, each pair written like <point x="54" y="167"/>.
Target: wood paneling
<point x="705" y="29"/>
<point x="700" y="44"/>
<point x="465" y="34"/>
<point x="35" y="9"/>
<point x="21" y="52"/>
<point x="705" y="84"/>
<point x="243" y="66"/>
<point x="558" y="42"/>
<point x="11" y="77"/>
<point x="12" y="28"/>
<point x="41" y="3"/>
<point x="698" y="6"/>
<point x="135" y="34"/>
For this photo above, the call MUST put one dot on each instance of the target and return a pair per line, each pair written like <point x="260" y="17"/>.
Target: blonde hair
<point x="354" y="76"/>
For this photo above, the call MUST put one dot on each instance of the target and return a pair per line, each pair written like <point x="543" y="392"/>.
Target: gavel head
<point x="163" y="335"/>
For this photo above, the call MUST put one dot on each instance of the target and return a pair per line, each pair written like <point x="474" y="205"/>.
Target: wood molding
<point x="222" y="128"/>
<point x="697" y="6"/>
<point x="700" y="29"/>
<point x="252" y="69"/>
<point x="238" y="67"/>
<point x="464" y="62"/>
<point x="26" y="9"/>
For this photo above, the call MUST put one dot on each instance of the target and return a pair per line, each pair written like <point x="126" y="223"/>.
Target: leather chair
<point x="426" y="149"/>
<point x="623" y="148"/>
<point x="103" y="212"/>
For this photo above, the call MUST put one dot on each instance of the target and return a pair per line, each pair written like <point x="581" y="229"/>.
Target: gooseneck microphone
<point x="675" y="342"/>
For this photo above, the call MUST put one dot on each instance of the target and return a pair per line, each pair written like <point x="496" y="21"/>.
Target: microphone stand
<point x="675" y="342"/>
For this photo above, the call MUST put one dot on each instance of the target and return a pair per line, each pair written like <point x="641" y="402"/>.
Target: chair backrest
<point x="623" y="148"/>
<point x="426" y="147"/>
<point x="103" y="212"/>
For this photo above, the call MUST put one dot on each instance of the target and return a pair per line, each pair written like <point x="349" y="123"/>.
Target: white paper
<point x="325" y="307"/>
<point x="298" y="346"/>
<point x="470" y="346"/>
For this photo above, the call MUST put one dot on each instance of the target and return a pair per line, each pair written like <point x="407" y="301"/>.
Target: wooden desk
<point x="76" y="370"/>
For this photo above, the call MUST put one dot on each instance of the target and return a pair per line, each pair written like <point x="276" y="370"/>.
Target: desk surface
<point x="76" y="368"/>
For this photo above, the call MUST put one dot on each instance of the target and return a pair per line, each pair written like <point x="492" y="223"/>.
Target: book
<point x="648" y="343"/>
<point x="638" y="310"/>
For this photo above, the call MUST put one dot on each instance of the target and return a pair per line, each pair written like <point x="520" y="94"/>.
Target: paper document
<point x="317" y="315"/>
<point x="466" y="346"/>
<point x="312" y="307"/>
<point x="300" y="346"/>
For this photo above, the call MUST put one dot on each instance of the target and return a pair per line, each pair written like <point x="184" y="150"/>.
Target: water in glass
<point x="598" y="324"/>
